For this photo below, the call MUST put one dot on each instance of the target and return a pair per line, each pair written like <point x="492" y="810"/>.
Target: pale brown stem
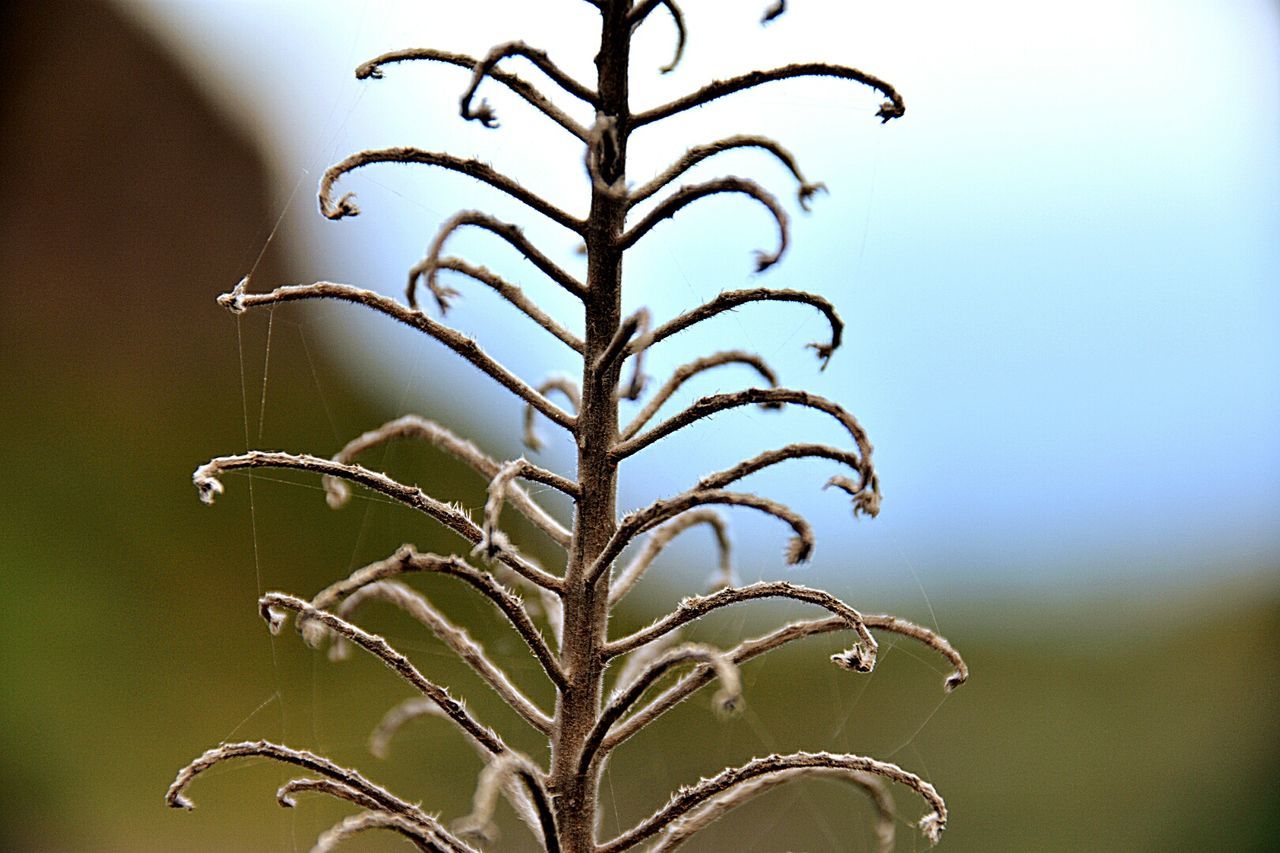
<point x="337" y="834"/>
<point x="731" y="299"/>
<point x="512" y="234"/>
<point x="799" y="549"/>
<point x="484" y="113"/>
<point x="209" y="486"/>
<point x="687" y="195"/>
<point x="717" y="807"/>
<point x="516" y="776"/>
<point x="894" y="107"/>
<point x="727" y="701"/>
<point x="500" y="486"/>
<point x="685" y="372"/>
<point x="626" y="579"/>
<point x="407" y="560"/>
<point x="866" y="496"/>
<point x="693" y="796"/>
<point x="641" y="12"/>
<point x="349" y="779"/>
<point x="698" y="153"/>
<point x="476" y="169"/>
<point x="237" y="301"/>
<point x="861" y="657"/>
<point x="565" y="386"/>
<point x="457" y="639"/>
<point x="373" y="68"/>
<point x="757" y="646"/>
<point x="337" y="493"/>
<point x="507" y="291"/>
<point x="271" y="604"/>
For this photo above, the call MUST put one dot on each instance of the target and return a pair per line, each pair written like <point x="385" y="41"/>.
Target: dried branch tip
<point x="866" y="499"/>
<point x="233" y="300"/>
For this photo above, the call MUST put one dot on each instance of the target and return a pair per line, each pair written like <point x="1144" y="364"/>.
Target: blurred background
<point x="1059" y="277"/>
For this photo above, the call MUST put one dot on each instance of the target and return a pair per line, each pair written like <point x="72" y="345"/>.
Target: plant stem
<point x="586" y="604"/>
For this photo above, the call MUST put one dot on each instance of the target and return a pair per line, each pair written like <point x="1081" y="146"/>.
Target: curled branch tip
<point x="866" y="498"/>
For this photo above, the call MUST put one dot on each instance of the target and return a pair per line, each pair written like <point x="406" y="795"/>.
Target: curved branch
<point x="717" y="807"/>
<point x="688" y="194"/>
<point x="867" y="496"/>
<point x="508" y="232"/>
<point x="691" y="797"/>
<point x="484" y="113"/>
<point x="406" y="560"/>
<point x="720" y="479"/>
<point x="457" y="639"/>
<point x="799" y="549"/>
<point x="356" y="823"/>
<point x="697" y="154"/>
<point x="285" y="793"/>
<point x="176" y="797"/>
<point x="517" y="776"/>
<point x="661" y="537"/>
<point x="727" y="701"/>
<point x="685" y="372"/>
<point x="632" y="329"/>
<point x="337" y="493"/>
<point x="861" y="657"/>
<point x="640" y="13"/>
<point x="731" y="299"/>
<point x="894" y="107"/>
<point x="373" y="68"/>
<point x="379" y="648"/>
<point x="410" y="709"/>
<point x="237" y="301"/>
<point x="482" y="172"/>
<point x="209" y="486"/>
<point x="507" y="291"/>
<point x="757" y="646"/>
<point x="636" y="384"/>
<point x="493" y="541"/>
<point x="565" y="386"/>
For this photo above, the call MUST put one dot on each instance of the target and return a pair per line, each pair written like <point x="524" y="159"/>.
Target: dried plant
<point x="559" y="801"/>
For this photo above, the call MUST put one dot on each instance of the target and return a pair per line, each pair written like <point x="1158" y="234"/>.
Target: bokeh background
<point x="1059" y="273"/>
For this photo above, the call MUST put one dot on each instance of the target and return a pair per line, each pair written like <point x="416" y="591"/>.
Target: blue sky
<point x="1059" y="271"/>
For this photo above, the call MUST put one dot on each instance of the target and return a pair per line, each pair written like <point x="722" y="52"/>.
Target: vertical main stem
<point x="586" y="605"/>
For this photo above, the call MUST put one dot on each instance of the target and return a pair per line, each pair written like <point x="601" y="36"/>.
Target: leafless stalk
<point x="734" y="298"/>
<point x="559" y="802"/>
<point x="697" y="154"/>
<point x="749" y="649"/>
<point x="860" y="658"/>
<point x="626" y="579"/>
<point x="452" y="636"/>
<point x="337" y="493"/>
<point x="565" y="386"/>
<point x="687" y="799"/>
<point x="482" y="172"/>
<point x="407" y="560"/>
<point x="685" y="372"/>
<point x="508" y="232"/>
<point x="271" y="604"/>
<point x="687" y="195"/>
<point x="373" y="69"/>
<point x="357" y="823"/>
<point x="238" y="300"/>
<point x="717" y="807"/>
<point x="452" y="517"/>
